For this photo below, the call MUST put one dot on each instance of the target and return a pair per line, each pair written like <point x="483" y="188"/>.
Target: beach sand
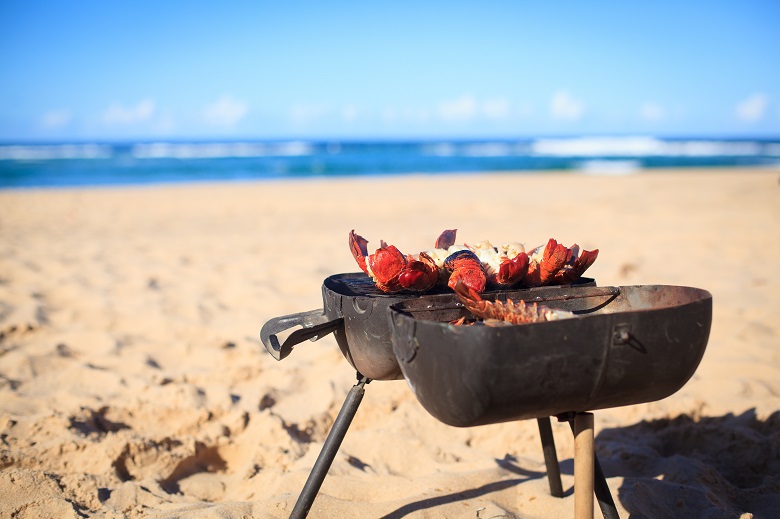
<point x="133" y="382"/>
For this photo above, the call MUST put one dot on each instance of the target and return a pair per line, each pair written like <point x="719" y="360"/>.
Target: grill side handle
<point x="315" y="325"/>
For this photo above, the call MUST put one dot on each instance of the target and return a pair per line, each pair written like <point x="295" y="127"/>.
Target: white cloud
<point x="462" y="108"/>
<point x="652" y="112"/>
<point x="56" y="119"/>
<point x="306" y="113"/>
<point x="496" y="108"/>
<point x="350" y="113"/>
<point x="392" y="114"/>
<point x="120" y="114"/>
<point x="524" y="110"/>
<point x="164" y="123"/>
<point x="225" y="111"/>
<point x="418" y="115"/>
<point x="564" y="106"/>
<point x="389" y="114"/>
<point x="467" y="107"/>
<point x="752" y="108"/>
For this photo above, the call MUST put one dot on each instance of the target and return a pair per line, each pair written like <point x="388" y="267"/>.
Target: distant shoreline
<point x="139" y="163"/>
<point x="309" y="180"/>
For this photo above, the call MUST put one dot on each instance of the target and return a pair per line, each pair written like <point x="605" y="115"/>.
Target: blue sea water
<point x="131" y="163"/>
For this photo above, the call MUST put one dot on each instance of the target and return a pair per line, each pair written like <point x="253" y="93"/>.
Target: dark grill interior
<point x="358" y="284"/>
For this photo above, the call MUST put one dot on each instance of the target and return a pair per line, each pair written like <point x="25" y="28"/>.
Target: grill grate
<point x="358" y="284"/>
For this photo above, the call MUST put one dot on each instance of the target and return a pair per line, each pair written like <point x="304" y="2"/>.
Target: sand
<point x="133" y="382"/>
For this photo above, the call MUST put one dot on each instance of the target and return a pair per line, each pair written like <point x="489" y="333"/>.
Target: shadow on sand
<point x="714" y="467"/>
<point x="507" y="463"/>
<point x="707" y="467"/>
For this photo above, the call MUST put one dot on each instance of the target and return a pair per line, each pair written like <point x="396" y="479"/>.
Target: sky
<point x="156" y="70"/>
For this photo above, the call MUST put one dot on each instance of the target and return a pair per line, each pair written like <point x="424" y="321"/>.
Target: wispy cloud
<point x="652" y="112"/>
<point x="468" y="107"/>
<point x="307" y="113"/>
<point x="350" y="113"/>
<point x="496" y="108"/>
<point x="225" y="111"/>
<point x="564" y="106"/>
<point x="460" y="109"/>
<point x="119" y="114"/>
<point x="408" y="114"/>
<point x="752" y="108"/>
<point x="56" y="119"/>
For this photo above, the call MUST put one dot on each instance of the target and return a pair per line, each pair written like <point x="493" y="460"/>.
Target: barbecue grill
<point x="626" y="345"/>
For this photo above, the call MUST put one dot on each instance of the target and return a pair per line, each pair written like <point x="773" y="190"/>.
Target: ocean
<point x="132" y="163"/>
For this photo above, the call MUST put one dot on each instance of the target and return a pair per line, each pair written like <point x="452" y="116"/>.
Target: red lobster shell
<point x="476" y="266"/>
<point x="392" y="271"/>
<point x="510" y="312"/>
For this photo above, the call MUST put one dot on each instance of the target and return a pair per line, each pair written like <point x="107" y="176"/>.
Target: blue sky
<point x="191" y="70"/>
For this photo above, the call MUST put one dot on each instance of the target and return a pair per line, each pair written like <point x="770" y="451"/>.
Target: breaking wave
<point x="64" y="164"/>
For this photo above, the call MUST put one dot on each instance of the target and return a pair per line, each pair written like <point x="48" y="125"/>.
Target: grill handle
<point x="315" y="325"/>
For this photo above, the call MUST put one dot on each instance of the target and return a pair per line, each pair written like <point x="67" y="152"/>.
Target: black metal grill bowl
<point x="627" y="345"/>
<point x="355" y="311"/>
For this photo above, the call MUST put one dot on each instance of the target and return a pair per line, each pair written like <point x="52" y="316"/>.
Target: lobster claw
<point x="465" y="267"/>
<point x="446" y="239"/>
<point x="391" y="270"/>
<point x="359" y="248"/>
<point x="542" y="271"/>
<point x="385" y="265"/>
<point x="512" y="271"/>
<point x="419" y="274"/>
<point x="576" y="265"/>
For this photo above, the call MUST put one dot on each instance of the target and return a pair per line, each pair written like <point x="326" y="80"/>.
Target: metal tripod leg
<point x="600" y="487"/>
<point x="550" y="457"/>
<point x="329" y="449"/>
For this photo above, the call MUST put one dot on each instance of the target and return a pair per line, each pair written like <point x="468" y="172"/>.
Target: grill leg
<point x="550" y="457"/>
<point x="329" y="449"/>
<point x="584" y="471"/>
<point x="600" y="487"/>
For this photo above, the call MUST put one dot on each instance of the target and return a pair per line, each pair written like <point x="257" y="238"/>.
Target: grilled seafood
<point x="391" y="270"/>
<point x="577" y="262"/>
<point x="510" y="312"/>
<point x="464" y="267"/>
<point x="544" y="262"/>
<point x="509" y="265"/>
<point x="455" y="262"/>
<point x="477" y="265"/>
<point x="505" y="266"/>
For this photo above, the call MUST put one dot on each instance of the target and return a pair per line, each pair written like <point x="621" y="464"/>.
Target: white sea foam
<point x="440" y="149"/>
<point x="604" y="147"/>
<point x="477" y="149"/>
<point x="642" y="147"/>
<point x="772" y="150"/>
<point x="609" y="167"/>
<point x="166" y="150"/>
<point x="493" y="149"/>
<point x="55" y="152"/>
